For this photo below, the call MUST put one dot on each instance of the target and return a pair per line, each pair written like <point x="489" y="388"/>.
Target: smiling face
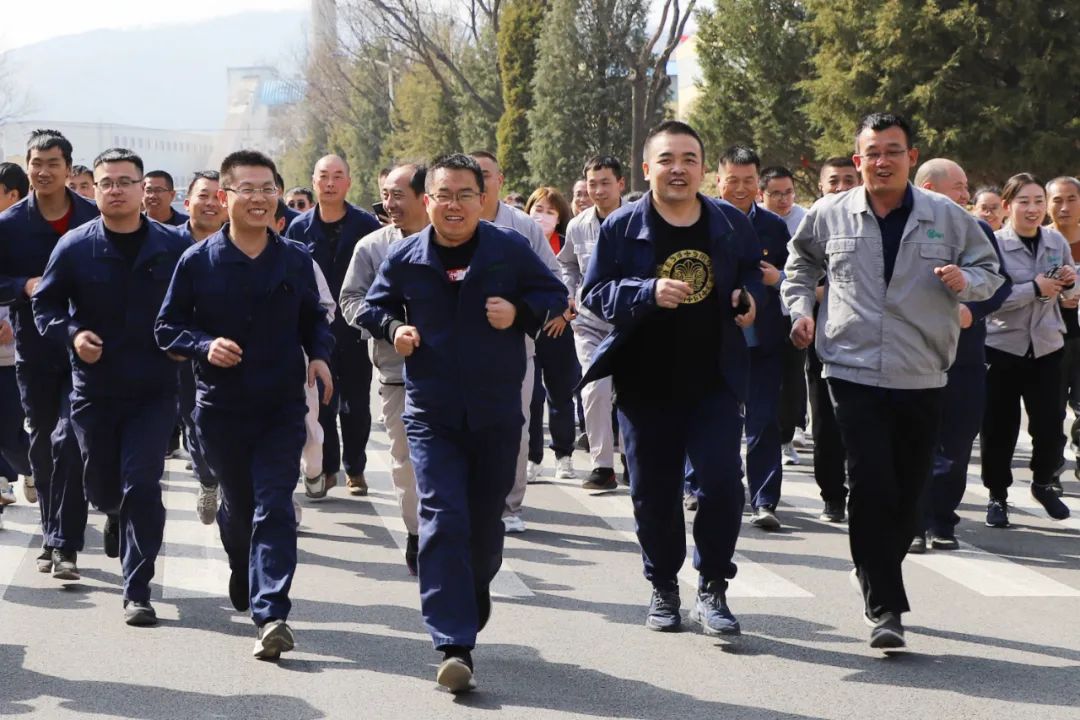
<point x="157" y="198"/>
<point x="48" y="172"/>
<point x="989" y="208"/>
<point x="738" y="184"/>
<point x="453" y="203"/>
<point x="603" y="189"/>
<point x="673" y="166"/>
<point x="202" y="203"/>
<point x="1064" y="204"/>
<point x="884" y="160"/>
<point x="249" y="213"/>
<point x="405" y="207"/>
<point x="582" y="201"/>
<point x="1027" y="209"/>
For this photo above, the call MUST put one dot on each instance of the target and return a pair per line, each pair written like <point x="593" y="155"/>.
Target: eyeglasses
<point x="123" y="183"/>
<point x="156" y="190"/>
<point x="462" y="198"/>
<point x="297" y="204"/>
<point x="873" y="157"/>
<point x="270" y="191"/>
<point x="779" y="194"/>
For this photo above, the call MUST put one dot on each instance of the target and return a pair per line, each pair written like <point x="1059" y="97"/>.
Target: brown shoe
<point x="357" y="485"/>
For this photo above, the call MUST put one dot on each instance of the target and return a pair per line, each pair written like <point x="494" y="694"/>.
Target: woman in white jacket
<point x="1024" y="341"/>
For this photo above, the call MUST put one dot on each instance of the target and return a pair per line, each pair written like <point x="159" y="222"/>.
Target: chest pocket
<point x="841" y="254"/>
<point x="935" y="253"/>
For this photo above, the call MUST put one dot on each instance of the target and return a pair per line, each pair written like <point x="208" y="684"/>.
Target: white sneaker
<point x="206" y="504"/>
<point x="179" y="454"/>
<point x="296" y="508"/>
<point x="7" y="495"/>
<point x="532" y="472"/>
<point x="514" y="524"/>
<point x="790" y="457"/>
<point x="564" y="468"/>
<point x="275" y="637"/>
<point x="799" y="440"/>
<point x="29" y="489"/>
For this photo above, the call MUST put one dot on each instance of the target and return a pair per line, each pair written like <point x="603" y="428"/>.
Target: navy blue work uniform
<point x="186" y="403"/>
<point x="963" y="404"/>
<point x="250" y="418"/>
<point x="678" y="398"/>
<point x="766" y="338"/>
<point x="463" y="414"/>
<point x="123" y="407"/>
<point x="43" y="371"/>
<point x="176" y="218"/>
<point x="290" y="215"/>
<point x="332" y="245"/>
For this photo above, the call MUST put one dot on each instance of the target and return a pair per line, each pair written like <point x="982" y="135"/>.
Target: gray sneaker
<point x="64" y="565"/>
<point x="139" y="614"/>
<point x="712" y="612"/>
<point x="275" y="637"/>
<point x="664" y="611"/>
<point x="765" y="519"/>
<point x="206" y="504"/>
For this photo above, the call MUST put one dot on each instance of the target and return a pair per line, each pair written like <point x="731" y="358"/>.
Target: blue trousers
<point x="186" y="403"/>
<point x="14" y="442"/>
<point x="255" y="457"/>
<point x="961" y="417"/>
<point x="557" y="372"/>
<point x="352" y="402"/>
<point x="660" y="436"/>
<point x="462" y="480"/>
<point x="54" y="453"/>
<point x="764" y="473"/>
<point x="123" y="444"/>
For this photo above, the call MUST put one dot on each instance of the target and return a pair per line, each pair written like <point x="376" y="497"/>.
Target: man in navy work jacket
<point x="457" y="300"/>
<point x="29" y="230"/>
<point x="331" y="230"/>
<point x="99" y="297"/>
<point x="244" y="304"/>
<point x="670" y="272"/>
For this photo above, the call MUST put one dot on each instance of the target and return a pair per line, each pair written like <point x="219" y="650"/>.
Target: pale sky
<point x="24" y="22"/>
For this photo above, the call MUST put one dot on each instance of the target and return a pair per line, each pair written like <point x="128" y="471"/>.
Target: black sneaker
<point x="624" y="476"/>
<point x="455" y="672"/>
<point x="997" y="513"/>
<point x="412" y="552"/>
<point x="834" y="511"/>
<point x="664" y="611"/>
<point x="64" y="565"/>
<point x="1050" y="501"/>
<point x="888" y="634"/>
<point x="483" y="607"/>
<point x="139" y="614"/>
<point x="44" y="559"/>
<point x="711" y="610"/>
<point x="111" y="537"/>
<point x="918" y="545"/>
<point x="238" y="590"/>
<point x="944" y="541"/>
<point x="582" y="442"/>
<point x="601" y="478"/>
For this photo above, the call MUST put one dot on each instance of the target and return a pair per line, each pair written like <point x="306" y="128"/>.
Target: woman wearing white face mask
<point x="557" y="368"/>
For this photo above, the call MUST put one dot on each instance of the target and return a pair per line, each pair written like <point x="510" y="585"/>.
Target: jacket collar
<point x="423" y="251"/>
<point x="639" y="226"/>
<point x="156" y="242"/>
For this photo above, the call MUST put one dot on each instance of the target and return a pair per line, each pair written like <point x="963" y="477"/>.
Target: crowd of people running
<point x="663" y="327"/>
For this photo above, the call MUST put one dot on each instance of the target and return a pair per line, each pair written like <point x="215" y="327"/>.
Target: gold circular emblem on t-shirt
<point x="694" y="268"/>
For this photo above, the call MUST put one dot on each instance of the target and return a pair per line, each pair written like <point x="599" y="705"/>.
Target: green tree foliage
<point x="752" y="53"/>
<point x="476" y="126"/>
<point x="989" y="83"/>
<point x="519" y="30"/>
<point x="425" y="123"/>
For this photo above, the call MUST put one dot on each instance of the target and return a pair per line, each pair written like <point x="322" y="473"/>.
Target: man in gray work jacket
<point x="898" y="260"/>
<point x="403" y="196"/>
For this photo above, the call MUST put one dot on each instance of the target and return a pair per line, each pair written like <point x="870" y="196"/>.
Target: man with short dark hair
<point x="604" y="184"/>
<point x="737" y="182"/>
<point x="14" y="185"/>
<point x="300" y="199"/>
<point x="331" y="230"/>
<point x="291" y="213"/>
<point x="99" y="297"/>
<point x="403" y="197"/>
<point x="244" y="305"/>
<point x="81" y="181"/>
<point x="898" y="261"/>
<point x="678" y="275"/>
<point x="838" y="175"/>
<point x="159" y="193"/>
<point x="29" y="231"/>
<point x="777" y="187"/>
<point x="469" y="292"/>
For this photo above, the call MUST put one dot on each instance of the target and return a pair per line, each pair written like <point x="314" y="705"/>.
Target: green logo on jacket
<point x="934" y="234"/>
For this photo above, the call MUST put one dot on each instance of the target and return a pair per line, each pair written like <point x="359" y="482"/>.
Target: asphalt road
<point x="994" y="631"/>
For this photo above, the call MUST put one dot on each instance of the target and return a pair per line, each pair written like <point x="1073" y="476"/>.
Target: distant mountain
<point x="169" y="77"/>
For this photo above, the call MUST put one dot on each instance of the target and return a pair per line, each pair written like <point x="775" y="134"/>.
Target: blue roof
<point x="279" y="92"/>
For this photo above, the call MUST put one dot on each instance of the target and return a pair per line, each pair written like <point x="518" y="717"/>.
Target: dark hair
<point x="514" y="198"/>
<point x="13" y="177"/>
<point x="883" y="121"/>
<point x="1066" y="179"/>
<point x="1016" y="183"/>
<point x="161" y="175"/>
<point x="601" y="162"/>
<point x="279" y="181"/>
<point x="44" y="139"/>
<point x="245" y="158"/>
<point x="455" y="161"/>
<point x="281" y="210"/>
<point x="675" y="127"/>
<point x="198" y="175"/>
<point x="383" y="172"/>
<point x="993" y="189"/>
<point x="634" y="196"/>
<point x="553" y="196"/>
<point x="302" y="191"/>
<point x="113" y="155"/>
<point x="419" y="176"/>
<point x="740" y="155"/>
<point x="774" y="172"/>
<point x="487" y="154"/>
<point x="839" y="161"/>
<point x="77" y="170"/>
